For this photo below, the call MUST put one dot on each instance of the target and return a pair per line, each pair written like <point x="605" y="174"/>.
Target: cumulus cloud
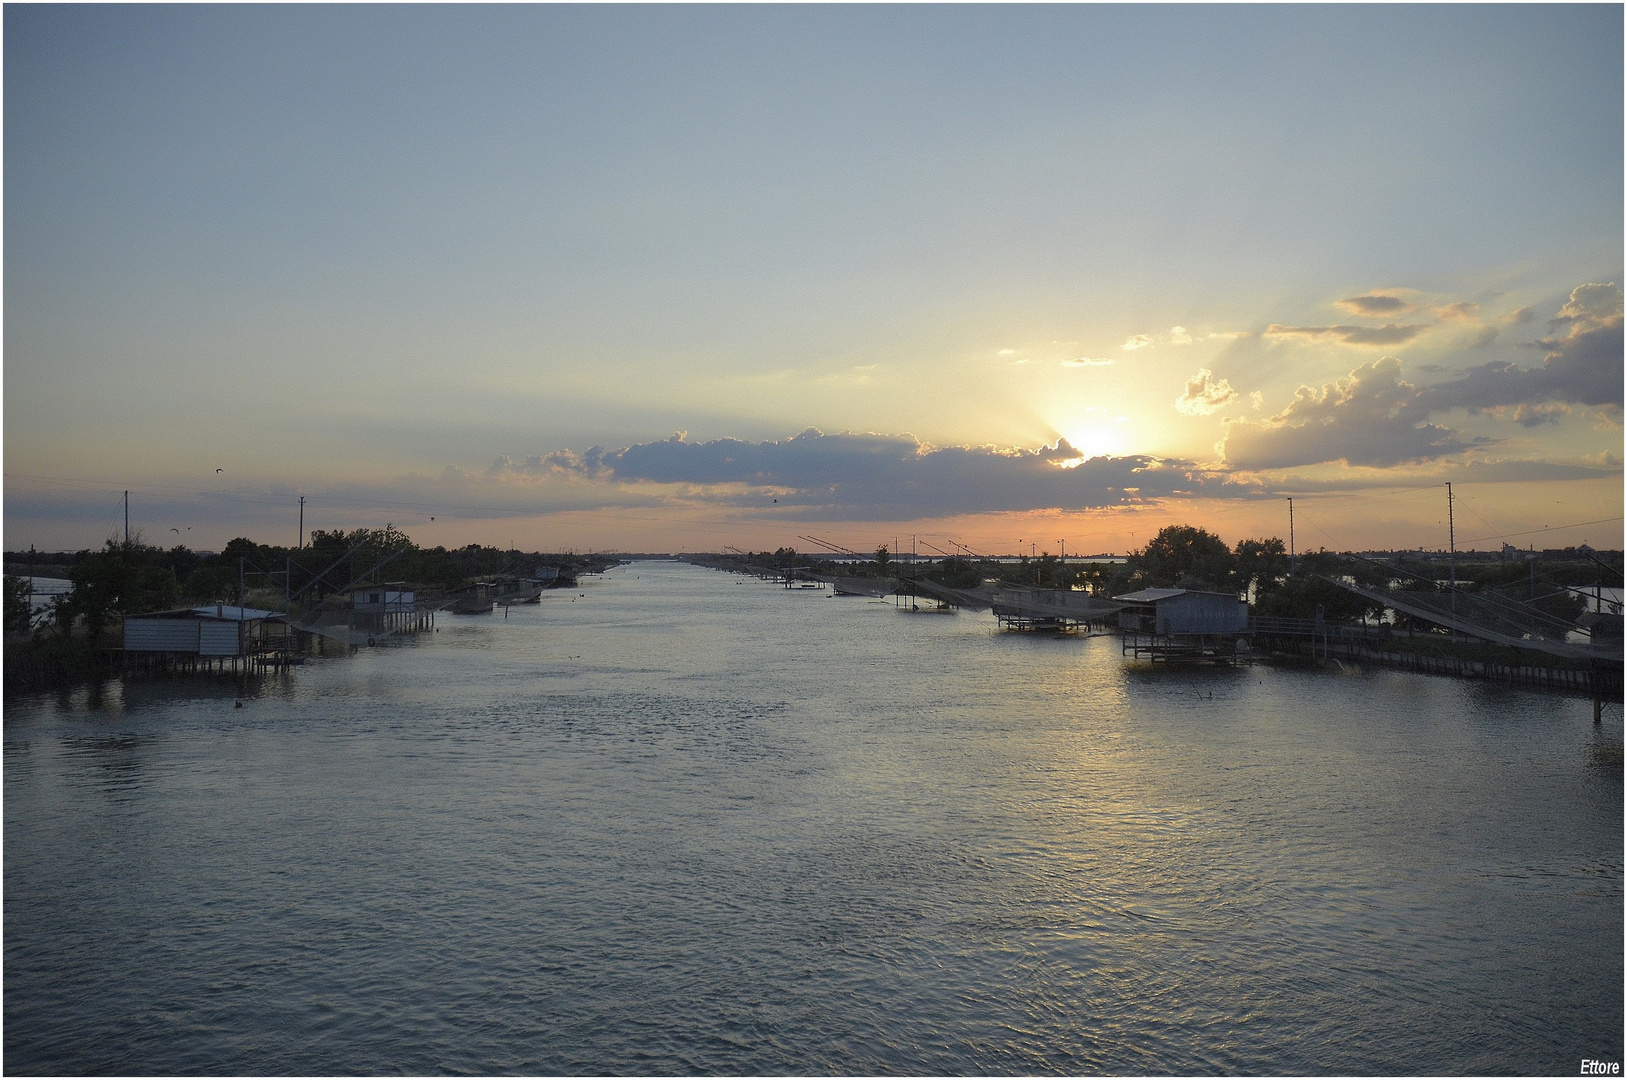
<point x="1524" y="315"/>
<point x="1370" y="417"/>
<point x="1137" y="341"/>
<point x="1374" y="305"/>
<point x="1179" y="336"/>
<point x="1087" y="361"/>
<point x="851" y="476"/>
<point x="1460" y="311"/>
<point x="1583" y="365"/>
<point x="1204" y="394"/>
<point x="1592" y="303"/>
<point x="1388" y="334"/>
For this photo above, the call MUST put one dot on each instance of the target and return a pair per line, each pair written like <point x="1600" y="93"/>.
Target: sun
<point x="1095" y="437"/>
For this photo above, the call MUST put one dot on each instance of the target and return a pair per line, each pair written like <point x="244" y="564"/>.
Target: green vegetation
<point x="125" y="578"/>
<point x="1189" y="557"/>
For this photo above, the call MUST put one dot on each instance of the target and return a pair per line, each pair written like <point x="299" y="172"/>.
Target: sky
<point x="672" y="278"/>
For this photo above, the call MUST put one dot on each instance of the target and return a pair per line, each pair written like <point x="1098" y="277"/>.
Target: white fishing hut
<point x="209" y="635"/>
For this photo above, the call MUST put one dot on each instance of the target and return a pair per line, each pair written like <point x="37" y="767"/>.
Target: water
<point x="44" y="591"/>
<point x="693" y="823"/>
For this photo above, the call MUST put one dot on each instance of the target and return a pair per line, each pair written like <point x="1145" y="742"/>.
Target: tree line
<point x="1190" y="557"/>
<point x="129" y="577"/>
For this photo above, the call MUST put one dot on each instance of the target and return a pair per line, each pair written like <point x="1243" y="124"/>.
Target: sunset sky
<point x="669" y="278"/>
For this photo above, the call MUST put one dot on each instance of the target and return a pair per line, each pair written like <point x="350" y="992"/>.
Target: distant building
<point x="1183" y="611"/>
<point x="210" y="632"/>
<point x="382" y="608"/>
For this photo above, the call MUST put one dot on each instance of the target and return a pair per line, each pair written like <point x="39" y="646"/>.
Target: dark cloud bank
<point x="885" y="477"/>
<point x="1372" y="417"/>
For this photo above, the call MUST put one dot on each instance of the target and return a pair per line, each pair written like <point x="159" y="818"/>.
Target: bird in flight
<point x="220" y="470"/>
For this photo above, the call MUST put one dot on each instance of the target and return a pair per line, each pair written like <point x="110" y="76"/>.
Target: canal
<point x="677" y="821"/>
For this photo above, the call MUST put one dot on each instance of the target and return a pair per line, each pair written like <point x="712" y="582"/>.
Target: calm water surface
<point x="692" y="823"/>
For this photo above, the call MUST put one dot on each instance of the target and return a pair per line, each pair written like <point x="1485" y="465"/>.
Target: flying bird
<point x="220" y="470"/>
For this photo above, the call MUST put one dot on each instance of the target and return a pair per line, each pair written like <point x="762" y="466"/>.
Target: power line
<point x="1545" y="528"/>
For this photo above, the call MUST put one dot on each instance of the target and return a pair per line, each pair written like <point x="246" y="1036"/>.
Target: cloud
<point x="1204" y="394"/>
<point x="1480" y="470"/>
<point x="1583" y="365"/>
<point x="1374" y="305"/>
<point x="1087" y="361"/>
<point x="1537" y="415"/>
<point x="1179" y="336"/>
<point x="1008" y="352"/>
<point x="1138" y="341"/>
<point x="856" y="476"/>
<point x="1460" y="311"/>
<point x="1524" y="315"/>
<point x="1592" y="303"/>
<point x="1370" y="417"/>
<point x="1388" y="334"/>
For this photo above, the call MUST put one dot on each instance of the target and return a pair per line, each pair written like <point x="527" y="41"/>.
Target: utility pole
<point x="1290" y="536"/>
<point x="302" y="523"/>
<point x="1452" y="546"/>
<point x="126" y="519"/>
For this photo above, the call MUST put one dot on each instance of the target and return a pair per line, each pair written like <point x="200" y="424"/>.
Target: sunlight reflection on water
<point x="685" y="824"/>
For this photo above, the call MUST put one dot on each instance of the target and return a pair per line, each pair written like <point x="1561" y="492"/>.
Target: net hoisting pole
<point x="1290" y="536"/>
<point x="1452" y="546"/>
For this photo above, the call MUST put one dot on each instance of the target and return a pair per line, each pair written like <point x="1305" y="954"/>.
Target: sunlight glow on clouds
<point x="1204" y="394"/>
<point x="1375" y="305"/>
<point x="1389" y="334"/>
<point x="863" y="476"/>
<point x="806" y="215"/>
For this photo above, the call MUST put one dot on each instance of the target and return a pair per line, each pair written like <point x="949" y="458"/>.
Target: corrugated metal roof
<point x="222" y="612"/>
<point x="1152" y="596"/>
<point x="1149" y="596"/>
<point x="232" y="614"/>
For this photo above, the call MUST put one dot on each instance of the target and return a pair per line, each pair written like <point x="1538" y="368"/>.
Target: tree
<point x="1259" y="565"/>
<point x="883" y="557"/>
<point x="1104" y="579"/>
<point x="19" y="616"/>
<point x="1307" y="595"/>
<point x="117" y="581"/>
<point x="1184" y="556"/>
<point x="957" y="573"/>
